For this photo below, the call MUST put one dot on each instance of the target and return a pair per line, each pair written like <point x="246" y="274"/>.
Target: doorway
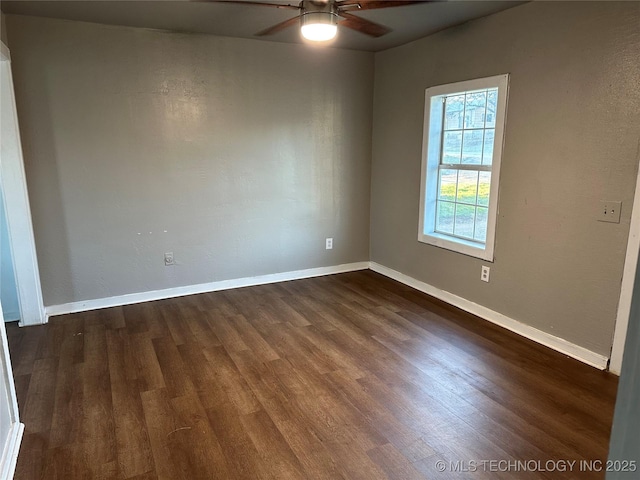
<point x="8" y="288"/>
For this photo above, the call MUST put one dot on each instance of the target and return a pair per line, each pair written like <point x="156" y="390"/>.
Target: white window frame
<point x="431" y="151"/>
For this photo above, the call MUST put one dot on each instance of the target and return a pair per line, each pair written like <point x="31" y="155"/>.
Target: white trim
<point x="431" y="160"/>
<point x="556" y="343"/>
<point x="10" y="454"/>
<point x="10" y="402"/>
<point x="131" y="298"/>
<point x="7" y="374"/>
<point x="628" y="281"/>
<point x="16" y="201"/>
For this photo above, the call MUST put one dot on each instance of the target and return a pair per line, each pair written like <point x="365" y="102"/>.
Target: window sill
<point x="458" y="245"/>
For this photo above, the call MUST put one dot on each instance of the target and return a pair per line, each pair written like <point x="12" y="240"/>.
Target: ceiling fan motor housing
<point x="314" y="12"/>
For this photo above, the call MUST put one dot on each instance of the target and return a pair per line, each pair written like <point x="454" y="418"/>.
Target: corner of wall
<point x="3" y="29"/>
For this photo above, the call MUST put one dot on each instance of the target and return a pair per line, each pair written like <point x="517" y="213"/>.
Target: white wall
<point x="238" y="156"/>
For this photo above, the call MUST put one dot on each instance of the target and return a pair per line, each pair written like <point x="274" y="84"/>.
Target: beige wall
<point x="239" y="156"/>
<point x="571" y="140"/>
<point x="3" y="29"/>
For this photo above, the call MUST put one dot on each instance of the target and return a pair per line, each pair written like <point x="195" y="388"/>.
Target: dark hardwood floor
<point x="345" y="376"/>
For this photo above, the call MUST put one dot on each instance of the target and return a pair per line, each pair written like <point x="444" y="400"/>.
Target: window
<point x="461" y="151"/>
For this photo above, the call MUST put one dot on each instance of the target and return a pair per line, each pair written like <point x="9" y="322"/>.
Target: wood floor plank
<point x="38" y="408"/>
<point x="533" y="404"/>
<point x="281" y="309"/>
<point x="241" y="455"/>
<point x="148" y="370"/>
<point x="206" y="457"/>
<point x="67" y="462"/>
<point x="176" y="380"/>
<point x="269" y="383"/>
<point x="225" y="332"/>
<point x="393" y="463"/>
<point x="176" y="316"/>
<point x="22" y="388"/>
<point x="72" y="341"/>
<point x="132" y="439"/>
<point x="233" y="384"/>
<point x="33" y="449"/>
<point x="350" y="376"/>
<point x="402" y="436"/>
<point x="252" y="339"/>
<point x="108" y="318"/>
<point x="29" y="344"/>
<point x="52" y="340"/>
<point x="136" y="316"/>
<point x="169" y="437"/>
<point x="98" y="421"/>
<point x="308" y="308"/>
<point x="203" y="376"/>
<point x="201" y="331"/>
<point x="277" y="458"/>
<point x="68" y="407"/>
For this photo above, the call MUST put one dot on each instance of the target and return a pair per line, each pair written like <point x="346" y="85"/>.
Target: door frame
<point x="626" y="288"/>
<point x="9" y="446"/>
<point x="13" y="185"/>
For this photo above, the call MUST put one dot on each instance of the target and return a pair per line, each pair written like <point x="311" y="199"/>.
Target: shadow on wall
<point x="41" y="147"/>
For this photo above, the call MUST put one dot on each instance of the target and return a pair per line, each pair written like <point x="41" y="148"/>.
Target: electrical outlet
<point x="484" y="273"/>
<point x="610" y="212"/>
<point x="329" y="243"/>
<point x="168" y="259"/>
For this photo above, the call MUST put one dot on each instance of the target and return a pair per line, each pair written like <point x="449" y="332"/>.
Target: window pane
<point x="465" y="217"/>
<point x="475" y="109"/>
<point x="492" y="108"/>
<point x="462" y="145"/>
<point x="484" y="187"/>
<point x="487" y="154"/>
<point x="453" y="112"/>
<point x="472" y="147"/>
<point x="444" y="217"/>
<point x="452" y="147"/>
<point x="467" y="186"/>
<point x="448" y="182"/>
<point x="482" y="215"/>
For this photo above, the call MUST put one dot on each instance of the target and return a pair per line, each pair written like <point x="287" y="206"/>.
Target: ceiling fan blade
<point x="374" y="4"/>
<point x="262" y="4"/>
<point x="279" y="26"/>
<point x="363" y="26"/>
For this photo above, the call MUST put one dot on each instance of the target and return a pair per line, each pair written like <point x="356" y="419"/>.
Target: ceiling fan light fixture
<point x="319" y="26"/>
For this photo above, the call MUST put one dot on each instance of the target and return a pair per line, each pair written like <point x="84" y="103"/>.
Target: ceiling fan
<point x="319" y="19"/>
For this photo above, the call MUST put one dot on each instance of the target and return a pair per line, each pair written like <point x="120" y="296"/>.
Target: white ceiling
<point x="408" y="23"/>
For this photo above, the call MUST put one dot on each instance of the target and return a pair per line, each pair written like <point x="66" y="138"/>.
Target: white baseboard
<point x="556" y="343"/>
<point x="132" y="298"/>
<point x="12" y="447"/>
